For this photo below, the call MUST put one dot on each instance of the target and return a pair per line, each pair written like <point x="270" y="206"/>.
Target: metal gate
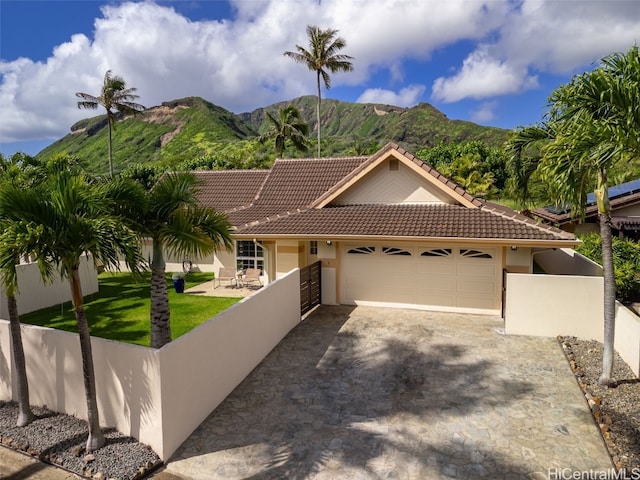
<point x="309" y="287"/>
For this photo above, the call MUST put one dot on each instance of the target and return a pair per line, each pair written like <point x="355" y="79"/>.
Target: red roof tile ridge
<point x="506" y="212"/>
<point x="446" y="181"/>
<point x="309" y="159"/>
<point x="222" y="172"/>
<point x="270" y="218"/>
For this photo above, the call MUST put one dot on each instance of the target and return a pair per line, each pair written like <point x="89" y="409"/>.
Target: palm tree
<point x="11" y="170"/>
<point x="172" y="219"/>
<point x="114" y="97"/>
<point x="592" y="126"/>
<point x="288" y="126"/>
<point x="60" y="220"/>
<point x="322" y="56"/>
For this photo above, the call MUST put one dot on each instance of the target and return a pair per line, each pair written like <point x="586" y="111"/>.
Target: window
<point x="362" y="250"/>
<point x="249" y="255"/>
<point x="436" y="252"/>
<point x="395" y="251"/>
<point x="313" y="247"/>
<point x="474" y="254"/>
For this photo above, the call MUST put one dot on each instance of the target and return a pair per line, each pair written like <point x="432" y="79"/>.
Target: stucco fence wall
<point x="158" y="396"/>
<point x="552" y="305"/>
<point x="34" y="294"/>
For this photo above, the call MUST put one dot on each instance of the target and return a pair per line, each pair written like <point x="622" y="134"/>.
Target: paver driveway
<point x="369" y="393"/>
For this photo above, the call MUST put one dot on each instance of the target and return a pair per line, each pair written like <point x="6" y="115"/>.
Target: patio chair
<point x="251" y="275"/>
<point x="226" y="274"/>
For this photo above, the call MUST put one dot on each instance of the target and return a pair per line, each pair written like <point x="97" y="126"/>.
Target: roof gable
<point x="426" y="184"/>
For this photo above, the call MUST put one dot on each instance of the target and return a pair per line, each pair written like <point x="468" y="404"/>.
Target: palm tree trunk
<point x="318" y="113"/>
<point x="25" y="415"/>
<point x="96" y="438"/>
<point x="606" y="378"/>
<point x="109" y="120"/>
<point x="604" y="216"/>
<point x="160" y="314"/>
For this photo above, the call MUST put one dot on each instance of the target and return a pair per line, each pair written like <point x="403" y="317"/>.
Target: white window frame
<point x="254" y="257"/>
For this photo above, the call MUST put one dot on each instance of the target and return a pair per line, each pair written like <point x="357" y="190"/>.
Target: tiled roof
<point x="405" y="220"/>
<point x="591" y="211"/>
<point x="229" y="189"/>
<point x="284" y="201"/>
<point x="297" y="183"/>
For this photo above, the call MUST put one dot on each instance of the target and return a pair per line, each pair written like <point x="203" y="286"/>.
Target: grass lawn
<point x="120" y="310"/>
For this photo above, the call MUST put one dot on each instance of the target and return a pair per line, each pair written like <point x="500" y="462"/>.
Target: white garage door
<point x="442" y="278"/>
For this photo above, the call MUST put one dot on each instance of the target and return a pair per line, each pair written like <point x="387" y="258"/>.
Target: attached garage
<point x="461" y="278"/>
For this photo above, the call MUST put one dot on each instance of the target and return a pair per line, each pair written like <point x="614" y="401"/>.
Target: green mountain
<point x="413" y="128"/>
<point x="192" y="128"/>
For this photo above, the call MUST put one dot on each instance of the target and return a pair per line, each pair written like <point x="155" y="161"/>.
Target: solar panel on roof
<point x="626" y="188"/>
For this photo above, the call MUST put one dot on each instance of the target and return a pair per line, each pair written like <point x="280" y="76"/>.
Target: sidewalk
<point x="18" y="466"/>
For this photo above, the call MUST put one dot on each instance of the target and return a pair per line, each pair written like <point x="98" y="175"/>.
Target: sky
<point x="492" y="62"/>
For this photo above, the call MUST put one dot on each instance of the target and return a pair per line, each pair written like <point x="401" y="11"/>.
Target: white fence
<point x="34" y="294"/>
<point x="551" y="305"/>
<point x="158" y="396"/>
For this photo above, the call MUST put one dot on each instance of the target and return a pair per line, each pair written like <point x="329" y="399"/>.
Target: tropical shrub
<point x="626" y="261"/>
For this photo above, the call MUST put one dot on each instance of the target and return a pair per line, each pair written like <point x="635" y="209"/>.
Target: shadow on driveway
<point x="380" y="393"/>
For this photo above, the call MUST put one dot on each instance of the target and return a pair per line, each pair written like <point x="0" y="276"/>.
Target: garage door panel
<point x="468" y="285"/>
<point x="479" y="268"/>
<point x="484" y="302"/>
<point x="448" y="278"/>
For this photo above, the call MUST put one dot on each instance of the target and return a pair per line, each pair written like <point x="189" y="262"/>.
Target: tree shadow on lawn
<point x="329" y="398"/>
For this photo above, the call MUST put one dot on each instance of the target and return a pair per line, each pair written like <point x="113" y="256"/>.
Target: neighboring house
<point x="388" y="230"/>
<point x="625" y="213"/>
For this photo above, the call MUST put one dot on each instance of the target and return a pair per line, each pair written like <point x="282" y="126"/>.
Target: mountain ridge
<point x="190" y="128"/>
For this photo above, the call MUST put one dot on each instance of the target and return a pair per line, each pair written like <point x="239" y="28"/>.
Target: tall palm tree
<point x="11" y="171"/>
<point x="171" y="218"/>
<point x="114" y="97"/>
<point x="288" y="126"/>
<point x="58" y="221"/>
<point x="593" y="125"/>
<point x="322" y="56"/>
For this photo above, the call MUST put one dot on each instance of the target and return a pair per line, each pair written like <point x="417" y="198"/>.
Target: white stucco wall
<point x="201" y="368"/>
<point x="566" y="261"/>
<point x="157" y="396"/>
<point x="34" y="294"/>
<point x="552" y="305"/>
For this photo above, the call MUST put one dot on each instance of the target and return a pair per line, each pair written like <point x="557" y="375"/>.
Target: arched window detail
<point x="395" y="251"/>
<point x="474" y="254"/>
<point x="436" y="252"/>
<point x="362" y="250"/>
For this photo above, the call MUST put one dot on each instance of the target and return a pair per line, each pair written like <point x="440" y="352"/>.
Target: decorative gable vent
<point x="394" y="164"/>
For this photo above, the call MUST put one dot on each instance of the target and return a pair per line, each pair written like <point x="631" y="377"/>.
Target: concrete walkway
<point x="364" y="393"/>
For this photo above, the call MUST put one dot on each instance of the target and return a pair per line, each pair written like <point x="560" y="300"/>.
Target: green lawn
<point x="120" y="310"/>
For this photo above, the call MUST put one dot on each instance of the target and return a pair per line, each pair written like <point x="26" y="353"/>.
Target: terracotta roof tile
<point x="404" y="220"/>
<point x="229" y="189"/>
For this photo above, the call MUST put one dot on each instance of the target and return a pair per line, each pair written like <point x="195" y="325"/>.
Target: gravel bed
<point x="615" y="410"/>
<point x="59" y="439"/>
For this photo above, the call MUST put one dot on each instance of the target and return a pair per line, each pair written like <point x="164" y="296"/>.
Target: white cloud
<point x="542" y="36"/>
<point x="238" y="63"/>
<point x="482" y="76"/>
<point x="407" y="97"/>
<point x="484" y="113"/>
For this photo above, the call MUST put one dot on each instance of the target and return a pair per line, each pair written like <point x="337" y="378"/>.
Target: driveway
<point x="370" y="393"/>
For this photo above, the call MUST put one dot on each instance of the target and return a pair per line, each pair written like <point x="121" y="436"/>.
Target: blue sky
<point x="492" y="62"/>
